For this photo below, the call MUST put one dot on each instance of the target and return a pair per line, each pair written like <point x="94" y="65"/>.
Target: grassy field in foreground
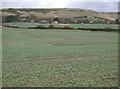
<point x="59" y="58"/>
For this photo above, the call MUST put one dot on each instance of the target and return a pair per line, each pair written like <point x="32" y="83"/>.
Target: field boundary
<point x="107" y="29"/>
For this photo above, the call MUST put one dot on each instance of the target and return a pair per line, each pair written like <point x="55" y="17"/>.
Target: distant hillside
<point x="60" y="13"/>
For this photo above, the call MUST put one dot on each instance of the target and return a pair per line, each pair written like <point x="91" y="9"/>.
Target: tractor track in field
<point x="88" y="55"/>
<point x="67" y="44"/>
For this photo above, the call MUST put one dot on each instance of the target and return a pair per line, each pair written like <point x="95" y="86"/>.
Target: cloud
<point x="53" y="3"/>
<point x="95" y="1"/>
<point x="60" y="0"/>
<point x="18" y="4"/>
<point x="37" y="4"/>
<point x="98" y="6"/>
<point x="105" y="5"/>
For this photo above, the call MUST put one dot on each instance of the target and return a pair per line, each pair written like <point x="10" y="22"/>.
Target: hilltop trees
<point x="11" y="18"/>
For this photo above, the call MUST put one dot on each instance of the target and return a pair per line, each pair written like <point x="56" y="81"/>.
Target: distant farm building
<point x="55" y="22"/>
<point x="44" y="21"/>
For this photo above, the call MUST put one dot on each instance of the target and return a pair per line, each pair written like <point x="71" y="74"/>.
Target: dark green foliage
<point x="56" y="19"/>
<point x="51" y="26"/>
<point x="38" y="27"/>
<point x="41" y="27"/>
<point x="108" y="29"/>
<point x="67" y="27"/>
<point x="11" y="26"/>
<point x="11" y="18"/>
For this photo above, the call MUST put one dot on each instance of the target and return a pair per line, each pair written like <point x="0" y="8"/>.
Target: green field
<point x="59" y="58"/>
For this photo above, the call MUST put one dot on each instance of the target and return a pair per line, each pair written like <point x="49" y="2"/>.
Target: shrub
<point x="107" y="29"/>
<point x="11" y="26"/>
<point x="37" y="27"/>
<point x="40" y="27"/>
<point x="14" y="27"/>
<point x="67" y="27"/>
<point x="51" y="26"/>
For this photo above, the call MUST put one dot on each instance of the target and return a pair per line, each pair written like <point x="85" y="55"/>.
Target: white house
<point x="55" y="22"/>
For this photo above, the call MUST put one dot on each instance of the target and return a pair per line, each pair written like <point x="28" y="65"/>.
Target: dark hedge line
<point x="10" y="26"/>
<point x="38" y="27"/>
<point x="98" y="29"/>
<point x="67" y="27"/>
<point x="50" y="27"/>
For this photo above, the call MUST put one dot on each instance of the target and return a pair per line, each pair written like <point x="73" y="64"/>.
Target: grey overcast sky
<point x="98" y="5"/>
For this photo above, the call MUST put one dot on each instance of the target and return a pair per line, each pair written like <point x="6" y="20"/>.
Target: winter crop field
<point x="43" y="58"/>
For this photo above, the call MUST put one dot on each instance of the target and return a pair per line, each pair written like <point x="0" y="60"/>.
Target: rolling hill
<point x="60" y="12"/>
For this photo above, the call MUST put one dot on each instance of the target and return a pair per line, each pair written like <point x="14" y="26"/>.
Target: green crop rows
<point x="33" y="57"/>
